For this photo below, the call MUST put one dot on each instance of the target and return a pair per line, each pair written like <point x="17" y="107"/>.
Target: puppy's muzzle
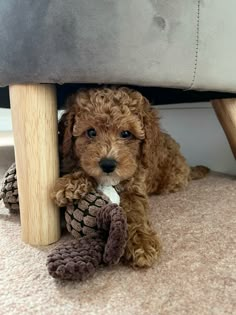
<point x="108" y="165"/>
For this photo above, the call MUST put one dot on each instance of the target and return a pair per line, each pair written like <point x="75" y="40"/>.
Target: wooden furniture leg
<point x="34" y="120"/>
<point x="226" y="112"/>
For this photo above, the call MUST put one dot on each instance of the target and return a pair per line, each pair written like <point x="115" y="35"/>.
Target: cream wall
<point x="194" y="126"/>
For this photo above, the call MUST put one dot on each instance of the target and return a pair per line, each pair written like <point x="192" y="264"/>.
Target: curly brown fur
<point x="71" y="186"/>
<point x="148" y="161"/>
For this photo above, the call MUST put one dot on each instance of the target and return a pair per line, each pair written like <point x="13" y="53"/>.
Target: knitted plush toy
<point x="100" y="230"/>
<point x="96" y="222"/>
<point x="9" y="190"/>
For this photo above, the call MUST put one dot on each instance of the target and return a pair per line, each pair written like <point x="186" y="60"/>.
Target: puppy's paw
<point x="142" y="249"/>
<point x="70" y="187"/>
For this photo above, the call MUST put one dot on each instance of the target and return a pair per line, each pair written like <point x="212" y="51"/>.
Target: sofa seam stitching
<point x="196" y="47"/>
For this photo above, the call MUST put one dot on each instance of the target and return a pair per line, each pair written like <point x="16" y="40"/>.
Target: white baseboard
<point x="5" y="119"/>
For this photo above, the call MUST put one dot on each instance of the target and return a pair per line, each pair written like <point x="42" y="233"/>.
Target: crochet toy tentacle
<point x="77" y="259"/>
<point x="111" y="219"/>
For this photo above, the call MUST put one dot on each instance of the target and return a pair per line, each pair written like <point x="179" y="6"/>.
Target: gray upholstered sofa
<point x="185" y="44"/>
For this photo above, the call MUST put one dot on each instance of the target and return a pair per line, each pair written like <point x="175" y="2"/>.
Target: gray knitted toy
<point x="9" y="190"/>
<point x="100" y="231"/>
<point x="98" y="225"/>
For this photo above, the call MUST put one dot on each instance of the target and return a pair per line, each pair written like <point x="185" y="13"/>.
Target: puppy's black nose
<point x="108" y="165"/>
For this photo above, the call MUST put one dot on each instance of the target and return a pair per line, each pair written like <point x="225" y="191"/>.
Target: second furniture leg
<point x="226" y="112"/>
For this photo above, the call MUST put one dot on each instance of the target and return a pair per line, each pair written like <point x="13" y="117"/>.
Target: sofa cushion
<point x="183" y="43"/>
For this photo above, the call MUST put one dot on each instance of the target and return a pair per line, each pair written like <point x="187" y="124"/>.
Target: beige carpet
<point x="195" y="275"/>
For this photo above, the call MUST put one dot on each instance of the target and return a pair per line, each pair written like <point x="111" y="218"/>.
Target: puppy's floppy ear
<point x="66" y="143"/>
<point x="151" y="127"/>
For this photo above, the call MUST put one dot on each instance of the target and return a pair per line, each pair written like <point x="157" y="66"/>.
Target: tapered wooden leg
<point x="34" y="119"/>
<point x="226" y="112"/>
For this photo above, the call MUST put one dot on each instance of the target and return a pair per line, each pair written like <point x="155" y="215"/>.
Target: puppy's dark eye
<point x="91" y="133"/>
<point x="125" y="134"/>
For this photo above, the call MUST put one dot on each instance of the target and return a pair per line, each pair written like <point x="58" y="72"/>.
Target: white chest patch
<point x="111" y="193"/>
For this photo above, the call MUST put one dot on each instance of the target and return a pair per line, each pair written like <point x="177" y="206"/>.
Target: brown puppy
<point x="111" y="136"/>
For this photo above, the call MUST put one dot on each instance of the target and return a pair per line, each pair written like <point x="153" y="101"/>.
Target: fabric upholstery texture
<point x="183" y="43"/>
